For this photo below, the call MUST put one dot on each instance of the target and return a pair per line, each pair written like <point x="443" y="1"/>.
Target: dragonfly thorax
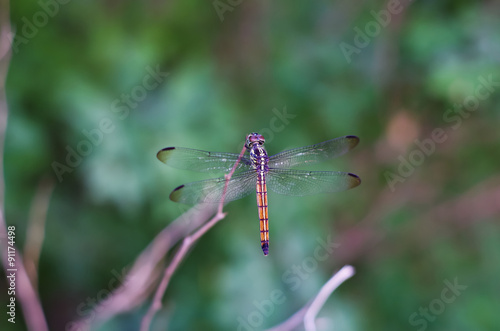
<point x="258" y="155"/>
<point x="259" y="158"/>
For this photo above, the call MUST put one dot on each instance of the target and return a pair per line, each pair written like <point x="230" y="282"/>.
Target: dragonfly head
<point x="253" y="139"/>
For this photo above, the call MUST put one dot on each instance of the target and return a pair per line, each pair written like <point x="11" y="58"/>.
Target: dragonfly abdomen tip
<point x="265" y="248"/>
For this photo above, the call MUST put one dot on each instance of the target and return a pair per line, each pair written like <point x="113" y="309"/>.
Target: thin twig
<point x="337" y="279"/>
<point x="136" y="286"/>
<point x="27" y="296"/>
<point x="5" y="53"/>
<point x="308" y="313"/>
<point x="181" y="253"/>
<point x="36" y="229"/>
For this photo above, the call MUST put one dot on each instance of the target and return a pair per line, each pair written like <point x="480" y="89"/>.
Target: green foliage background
<point x="229" y="74"/>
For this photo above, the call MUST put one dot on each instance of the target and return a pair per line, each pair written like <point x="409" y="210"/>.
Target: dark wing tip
<point x="175" y="195"/>
<point x="355" y="179"/>
<point x="353" y="139"/>
<point x="162" y="155"/>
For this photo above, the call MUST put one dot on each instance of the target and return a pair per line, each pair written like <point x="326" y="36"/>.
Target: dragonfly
<point x="256" y="171"/>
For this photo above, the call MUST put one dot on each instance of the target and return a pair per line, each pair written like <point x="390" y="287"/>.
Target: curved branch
<point x="181" y="253"/>
<point x="308" y="313"/>
<point x="337" y="279"/>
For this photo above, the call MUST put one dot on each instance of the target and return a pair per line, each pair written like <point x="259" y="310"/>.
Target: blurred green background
<point x="425" y="216"/>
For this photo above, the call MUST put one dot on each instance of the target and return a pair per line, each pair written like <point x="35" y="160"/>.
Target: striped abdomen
<point x="263" y="217"/>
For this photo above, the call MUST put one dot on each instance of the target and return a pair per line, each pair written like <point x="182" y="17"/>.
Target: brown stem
<point x="307" y="314"/>
<point x="36" y="229"/>
<point x="181" y="253"/>
<point x="24" y="292"/>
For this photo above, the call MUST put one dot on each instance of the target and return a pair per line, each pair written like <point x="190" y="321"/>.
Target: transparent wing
<point x="210" y="190"/>
<point x="299" y="182"/>
<point x="201" y="161"/>
<point x="313" y="153"/>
